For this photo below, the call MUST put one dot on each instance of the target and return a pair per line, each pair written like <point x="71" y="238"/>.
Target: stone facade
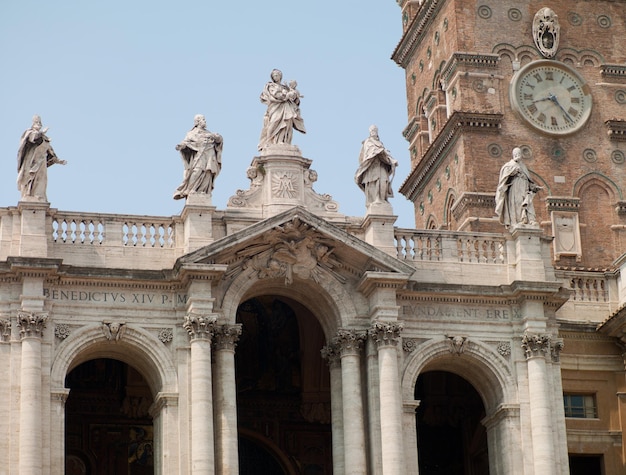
<point x="281" y="335"/>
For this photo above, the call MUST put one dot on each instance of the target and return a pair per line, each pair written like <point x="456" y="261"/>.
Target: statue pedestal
<point x="530" y="264"/>
<point x="33" y="236"/>
<point x="280" y="180"/>
<point x="379" y="229"/>
<point x="197" y="219"/>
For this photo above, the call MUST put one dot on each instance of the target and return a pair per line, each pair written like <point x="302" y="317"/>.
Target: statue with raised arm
<point x="201" y="152"/>
<point x="34" y="157"/>
<point x="376" y="169"/>
<point x="283" y="111"/>
<point x="515" y="193"/>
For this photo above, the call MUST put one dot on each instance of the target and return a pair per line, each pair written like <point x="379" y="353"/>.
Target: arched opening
<point x="108" y="429"/>
<point x="451" y="438"/>
<point x="283" y="388"/>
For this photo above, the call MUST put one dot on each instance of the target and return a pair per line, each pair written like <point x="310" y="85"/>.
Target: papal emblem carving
<point x="546" y="31"/>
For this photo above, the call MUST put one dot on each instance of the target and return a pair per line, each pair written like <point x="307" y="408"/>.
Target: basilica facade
<point x="280" y="336"/>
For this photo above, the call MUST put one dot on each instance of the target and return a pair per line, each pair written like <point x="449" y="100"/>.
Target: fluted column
<point x="31" y="328"/>
<point x="200" y="329"/>
<point x="349" y="344"/>
<point x="536" y="348"/>
<point x="225" y="397"/>
<point x="331" y="354"/>
<point x="386" y="335"/>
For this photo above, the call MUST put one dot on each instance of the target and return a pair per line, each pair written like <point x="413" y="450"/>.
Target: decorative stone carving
<point x="199" y="326"/>
<point x="61" y="331"/>
<point x="556" y="347"/>
<point x="293" y="249"/>
<point x="166" y="335"/>
<point x="535" y="345"/>
<point x="113" y="331"/>
<point x="31" y="324"/>
<point x="546" y="32"/>
<point x="331" y="354"/>
<point x="201" y="152"/>
<point x="409" y="344"/>
<point x="566" y="231"/>
<point x="349" y="341"/>
<point x="5" y="329"/>
<point x="504" y="348"/>
<point x="457" y="344"/>
<point x="283" y="111"/>
<point x="386" y="333"/>
<point x="34" y="157"/>
<point x="226" y="336"/>
<point x="284" y="185"/>
<point x="316" y="412"/>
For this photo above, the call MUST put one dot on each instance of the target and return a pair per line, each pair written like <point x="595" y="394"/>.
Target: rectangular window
<point x="580" y="405"/>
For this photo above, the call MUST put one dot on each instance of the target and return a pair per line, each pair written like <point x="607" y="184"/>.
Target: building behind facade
<point x="278" y="335"/>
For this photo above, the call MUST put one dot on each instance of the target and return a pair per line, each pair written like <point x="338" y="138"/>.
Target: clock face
<point x="551" y="97"/>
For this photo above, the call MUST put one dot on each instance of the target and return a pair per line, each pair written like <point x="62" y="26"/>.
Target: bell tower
<point x="486" y="76"/>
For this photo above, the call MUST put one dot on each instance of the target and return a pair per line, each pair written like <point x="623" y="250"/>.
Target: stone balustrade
<point x="451" y="246"/>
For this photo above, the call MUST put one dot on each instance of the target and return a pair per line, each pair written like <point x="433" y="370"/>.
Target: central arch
<point x="283" y="388"/>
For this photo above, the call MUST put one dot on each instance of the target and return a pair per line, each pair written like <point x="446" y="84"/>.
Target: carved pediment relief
<point x="293" y="249"/>
<point x="295" y="244"/>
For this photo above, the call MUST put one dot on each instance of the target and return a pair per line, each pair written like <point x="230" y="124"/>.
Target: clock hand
<point x="555" y="100"/>
<point x="542" y="99"/>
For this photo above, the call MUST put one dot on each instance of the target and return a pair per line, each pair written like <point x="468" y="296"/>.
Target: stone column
<point x="164" y="412"/>
<point x="409" y="430"/>
<point x="331" y="354"/>
<point x="386" y="336"/>
<point x="536" y="347"/>
<point x="57" y="429"/>
<point x="225" y="397"/>
<point x="355" y="458"/>
<point x="30" y="450"/>
<point x="200" y="329"/>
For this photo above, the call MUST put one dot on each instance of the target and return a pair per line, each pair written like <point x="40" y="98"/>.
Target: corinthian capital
<point x="349" y="341"/>
<point x="331" y="354"/>
<point x="199" y="326"/>
<point x="5" y="329"/>
<point x="535" y="345"/>
<point x="386" y="333"/>
<point x="226" y="336"/>
<point x="31" y="324"/>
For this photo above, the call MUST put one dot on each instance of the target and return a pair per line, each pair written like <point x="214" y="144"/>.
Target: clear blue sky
<point x="118" y="82"/>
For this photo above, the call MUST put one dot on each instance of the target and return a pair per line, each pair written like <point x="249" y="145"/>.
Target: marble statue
<point x="201" y="152"/>
<point x="376" y="169"/>
<point x="515" y="193"/>
<point x="34" y="157"/>
<point x="283" y="111"/>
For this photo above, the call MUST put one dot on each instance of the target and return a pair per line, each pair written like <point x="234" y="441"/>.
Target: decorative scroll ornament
<point x="113" y="331"/>
<point x="546" y="32"/>
<point x="199" y="326"/>
<point x="293" y="249"/>
<point x="31" y="324"/>
<point x="555" y="350"/>
<point x="331" y="354"/>
<point x="535" y="345"/>
<point x="5" y="329"/>
<point x="457" y="344"/>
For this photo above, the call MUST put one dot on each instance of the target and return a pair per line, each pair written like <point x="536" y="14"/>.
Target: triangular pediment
<point x="296" y="243"/>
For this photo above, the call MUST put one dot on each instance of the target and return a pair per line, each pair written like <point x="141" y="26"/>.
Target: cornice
<point x="414" y="33"/>
<point x="457" y="123"/>
<point x="461" y="59"/>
